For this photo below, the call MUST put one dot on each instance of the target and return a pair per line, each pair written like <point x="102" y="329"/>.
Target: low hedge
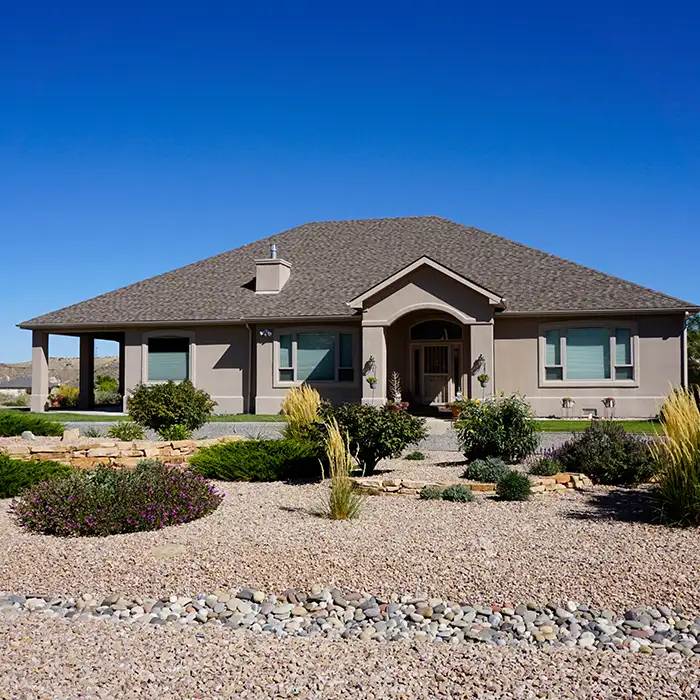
<point x="15" y="423"/>
<point x="258" y="460"/>
<point x="16" y="474"/>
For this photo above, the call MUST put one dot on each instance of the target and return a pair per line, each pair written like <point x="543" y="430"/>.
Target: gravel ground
<point x="65" y="660"/>
<point x="572" y="546"/>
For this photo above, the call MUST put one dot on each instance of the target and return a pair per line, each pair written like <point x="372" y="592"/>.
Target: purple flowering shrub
<point x="110" y="501"/>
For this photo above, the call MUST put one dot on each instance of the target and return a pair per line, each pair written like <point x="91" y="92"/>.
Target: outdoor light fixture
<point x="265" y="333"/>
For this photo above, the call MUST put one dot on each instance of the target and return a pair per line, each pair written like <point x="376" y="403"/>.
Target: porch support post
<point x="40" y="371"/>
<point x="131" y="360"/>
<point x="374" y="346"/>
<point x="120" y="381"/>
<point x="86" y="397"/>
<point x="481" y="339"/>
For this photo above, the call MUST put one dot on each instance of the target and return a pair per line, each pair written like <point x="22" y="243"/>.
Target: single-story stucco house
<point x="334" y="303"/>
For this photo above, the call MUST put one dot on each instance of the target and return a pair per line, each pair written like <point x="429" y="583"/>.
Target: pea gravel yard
<point x="596" y="547"/>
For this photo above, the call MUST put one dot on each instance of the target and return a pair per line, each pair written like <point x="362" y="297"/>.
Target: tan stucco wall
<point x="659" y="364"/>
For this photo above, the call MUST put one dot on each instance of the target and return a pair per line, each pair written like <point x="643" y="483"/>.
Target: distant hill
<point x="66" y="370"/>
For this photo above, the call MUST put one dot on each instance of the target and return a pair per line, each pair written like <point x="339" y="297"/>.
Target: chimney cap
<point x="273" y="251"/>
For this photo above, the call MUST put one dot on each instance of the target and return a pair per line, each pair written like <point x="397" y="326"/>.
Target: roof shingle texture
<point x="335" y="261"/>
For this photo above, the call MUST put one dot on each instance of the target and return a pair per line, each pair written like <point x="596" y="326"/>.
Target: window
<point x="168" y="359"/>
<point x="436" y="330"/>
<point x="590" y="354"/>
<point x="319" y="356"/>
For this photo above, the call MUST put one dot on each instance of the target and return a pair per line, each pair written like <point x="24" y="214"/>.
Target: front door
<point x="435" y="389"/>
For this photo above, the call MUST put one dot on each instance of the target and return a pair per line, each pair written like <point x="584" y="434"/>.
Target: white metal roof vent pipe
<point x="273" y="251"/>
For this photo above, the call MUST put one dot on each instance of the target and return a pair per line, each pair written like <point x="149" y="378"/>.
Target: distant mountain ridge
<point x="66" y="370"/>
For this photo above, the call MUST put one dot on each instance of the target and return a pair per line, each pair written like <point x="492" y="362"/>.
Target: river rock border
<point x="375" y="486"/>
<point x="84" y="454"/>
<point x="331" y="613"/>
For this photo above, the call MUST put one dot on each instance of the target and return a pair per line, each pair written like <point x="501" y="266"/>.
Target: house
<point x="334" y="303"/>
<point x="22" y="385"/>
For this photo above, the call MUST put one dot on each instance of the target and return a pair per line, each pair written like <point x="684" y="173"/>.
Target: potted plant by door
<point x="483" y="379"/>
<point x="372" y="381"/>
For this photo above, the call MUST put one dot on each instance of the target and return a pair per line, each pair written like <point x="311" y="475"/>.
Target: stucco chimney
<point x="271" y="274"/>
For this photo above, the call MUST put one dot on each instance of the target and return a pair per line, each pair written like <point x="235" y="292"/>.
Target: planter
<point x="372" y="385"/>
<point x="483" y="384"/>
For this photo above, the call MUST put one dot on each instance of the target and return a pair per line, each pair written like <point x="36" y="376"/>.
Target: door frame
<point x="452" y="345"/>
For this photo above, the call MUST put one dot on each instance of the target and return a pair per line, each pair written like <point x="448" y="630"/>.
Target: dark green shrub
<point x="459" y="493"/>
<point x="175" y="432"/>
<point x="607" y="454"/>
<point x="111" y="501"/>
<point x="159" y="406"/>
<point x="16" y="422"/>
<point x="258" y="460"/>
<point x="414" y="456"/>
<point x="546" y="466"/>
<point x="16" y="474"/>
<point x="430" y="493"/>
<point x="488" y="470"/>
<point x="125" y="430"/>
<point x="376" y="433"/>
<point x="514" y="486"/>
<point x="498" y="427"/>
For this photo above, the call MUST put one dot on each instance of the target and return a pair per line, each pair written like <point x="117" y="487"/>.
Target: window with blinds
<point x="168" y="359"/>
<point x="318" y="356"/>
<point x="593" y="353"/>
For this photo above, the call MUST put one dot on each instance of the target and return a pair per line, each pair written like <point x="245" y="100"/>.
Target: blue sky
<point x="138" y="137"/>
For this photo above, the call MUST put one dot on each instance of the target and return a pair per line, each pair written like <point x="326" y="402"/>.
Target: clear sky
<point x="136" y="137"/>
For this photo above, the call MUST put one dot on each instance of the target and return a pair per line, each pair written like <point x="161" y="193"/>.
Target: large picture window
<point x="315" y="356"/>
<point x="168" y="359"/>
<point x="588" y="354"/>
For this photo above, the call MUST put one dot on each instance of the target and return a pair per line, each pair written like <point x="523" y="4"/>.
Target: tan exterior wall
<point x="658" y="365"/>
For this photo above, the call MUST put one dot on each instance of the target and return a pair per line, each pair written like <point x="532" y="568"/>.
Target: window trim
<point x="335" y="330"/>
<point x="611" y="326"/>
<point x="167" y="333"/>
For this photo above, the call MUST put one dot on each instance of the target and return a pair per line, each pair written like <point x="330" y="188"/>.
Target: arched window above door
<point x="436" y="330"/>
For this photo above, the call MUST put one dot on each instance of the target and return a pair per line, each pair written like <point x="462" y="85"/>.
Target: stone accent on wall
<point x="376" y="486"/>
<point x="88" y="454"/>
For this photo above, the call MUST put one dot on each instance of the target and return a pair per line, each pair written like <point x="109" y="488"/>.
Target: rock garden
<point x="344" y="532"/>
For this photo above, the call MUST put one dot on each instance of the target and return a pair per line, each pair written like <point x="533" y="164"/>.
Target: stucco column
<point x="120" y="380"/>
<point x="86" y="397"/>
<point x="131" y="360"/>
<point x="40" y="371"/>
<point x="374" y="347"/>
<point x="481" y="340"/>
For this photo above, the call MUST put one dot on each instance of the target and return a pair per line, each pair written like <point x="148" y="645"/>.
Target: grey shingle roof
<point x="334" y="261"/>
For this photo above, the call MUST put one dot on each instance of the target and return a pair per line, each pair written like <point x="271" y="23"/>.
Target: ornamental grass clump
<point x="111" y="501"/>
<point x="677" y="458"/>
<point x="343" y="503"/>
<point x="545" y="466"/>
<point x="501" y="427"/>
<point x="125" y="430"/>
<point x="301" y="407"/>
<point x="414" y="456"/>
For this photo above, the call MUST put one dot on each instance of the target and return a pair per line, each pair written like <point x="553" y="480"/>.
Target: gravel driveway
<point x="552" y="548"/>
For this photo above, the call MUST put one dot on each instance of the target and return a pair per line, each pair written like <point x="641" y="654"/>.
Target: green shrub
<point x="125" y="430"/>
<point x="258" y="460"/>
<point x="92" y="431"/>
<point x="677" y="458"/>
<point x="16" y="474"/>
<point x="498" y="427"/>
<point x="15" y="423"/>
<point x="514" y="486"/>
<point x="459" y="493"/>
<point x="414" y="456"/>
<point x="111" y="501"/>
<point x="175" y="432"/>
<point x="66" y="395"/>
<point x="488" y="470"/>
<point x="107" y="398"/>
<point x="546" y="466"/>
<point x="430" y="493"/>
<point x="607" y="454"/>
<point x="376" y="433"/>
<point x="106" y="384"/>
<point x="159" y="406"/>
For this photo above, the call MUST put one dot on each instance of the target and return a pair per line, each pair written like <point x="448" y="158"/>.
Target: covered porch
<point x="40" y="367"/>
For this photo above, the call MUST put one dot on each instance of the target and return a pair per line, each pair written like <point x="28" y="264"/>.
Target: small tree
<point x="376" y="433"/>
<point x="160" y="406"/>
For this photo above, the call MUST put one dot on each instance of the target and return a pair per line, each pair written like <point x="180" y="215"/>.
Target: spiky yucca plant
<point x="343" y="502"/>
<point x="678" y="459"/>
<point x="300" y="405"/>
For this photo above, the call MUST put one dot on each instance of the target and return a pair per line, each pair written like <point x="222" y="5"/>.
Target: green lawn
<point x="574" y="426"/>
<point x="111" y="418"/>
